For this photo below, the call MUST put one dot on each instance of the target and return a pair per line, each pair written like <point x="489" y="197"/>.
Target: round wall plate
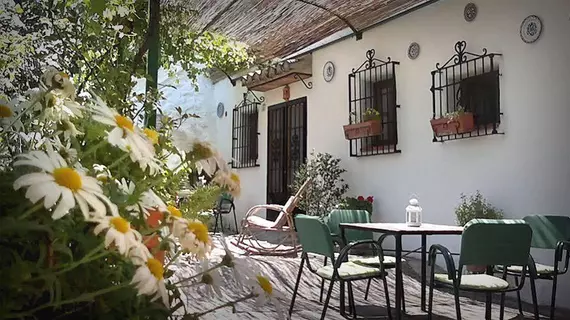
<point x="220" y="110"/>
<point x="328" y="71"/>
<point x="413" y="50"/>
<point x="531" y="28"/>
<point x="470" y="12"/>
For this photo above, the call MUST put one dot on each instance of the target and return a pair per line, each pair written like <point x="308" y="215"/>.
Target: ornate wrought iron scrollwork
<point x="461" y="55"/>
<point x="308" y="85"/>
<point x="370" y="61"/>
<point x="246" y="101"/>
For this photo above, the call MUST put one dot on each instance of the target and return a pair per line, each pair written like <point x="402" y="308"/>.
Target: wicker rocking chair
<point x="252" y="225"/>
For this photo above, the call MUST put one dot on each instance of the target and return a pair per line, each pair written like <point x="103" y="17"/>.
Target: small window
<point x="465" y="95"/>
<point x="245" y="135"/>
<point x="372" y="127"/>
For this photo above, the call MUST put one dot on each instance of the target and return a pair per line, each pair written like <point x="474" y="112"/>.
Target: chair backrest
<point x="338" y="216"/>
<point x="547" y="231"/>
<point x="314" y="236"/>
<point x="294" y="200"/>
<point x="225" y="203"/>
<point x="495" y="242"/>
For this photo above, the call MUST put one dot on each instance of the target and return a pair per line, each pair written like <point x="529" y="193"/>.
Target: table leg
<point x="399" y="279"/>
<point x="424" y="263"/>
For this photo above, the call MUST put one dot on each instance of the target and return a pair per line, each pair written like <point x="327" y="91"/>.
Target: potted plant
<point x="358" y="203"/>
<point x="475" y="207"/>
<point x="455" y="122"/>
<point x="371" y="125"/>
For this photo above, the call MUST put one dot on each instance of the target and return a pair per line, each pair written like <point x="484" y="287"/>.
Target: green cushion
<point x="349" y="271"/>
<point x="475" y="281"/>
<point x="541" y="269"/>
<point x="389" y="261"/>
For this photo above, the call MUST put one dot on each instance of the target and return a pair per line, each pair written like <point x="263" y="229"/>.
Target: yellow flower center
<point x="64" y="75"/>
<point x="201" y="151"/>
<point x="120" y="224"/>
<point x="5" y="111"/>
<point x="69" y="178"/>
<point x="174" y="211"/>
<point x="124" y="123"/>
<point x="200" y="230"/>
<point x="234" y="177"/>
<point x="155" y="268"/>
<point x="265" y="284"/>
<point x="152" y="135"/>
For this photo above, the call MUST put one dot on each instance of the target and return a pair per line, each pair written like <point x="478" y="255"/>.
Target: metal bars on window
<point x="467" y="83"/>
<point x="245" y="132"/>
<point x="372" y="90"/>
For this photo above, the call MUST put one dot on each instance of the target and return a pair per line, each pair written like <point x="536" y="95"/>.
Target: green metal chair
<point x="548" y="232"/>
<point x="224" y="205"/>
<point x="315" y="238"/>
<point x="489" y="243"/>
<point x="333" y="221"/>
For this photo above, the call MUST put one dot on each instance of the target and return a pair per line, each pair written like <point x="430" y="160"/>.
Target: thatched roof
<point x="277" y="28"/>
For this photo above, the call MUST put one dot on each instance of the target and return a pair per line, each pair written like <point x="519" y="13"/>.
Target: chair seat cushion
<point x="371" y="261"/>
<point x="541" y="269"/>
<point x="349" y="271"/>
<point x="475" y="281"/>
<point x="260" y="222"/>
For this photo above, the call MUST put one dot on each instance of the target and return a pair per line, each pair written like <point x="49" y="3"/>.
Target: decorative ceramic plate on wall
<point x="413" y="50"/>
<point x="531" y="28"/>
<point x="220" y="110"/>
<point x="328" y="71"/>
<point x="470" y="12"/>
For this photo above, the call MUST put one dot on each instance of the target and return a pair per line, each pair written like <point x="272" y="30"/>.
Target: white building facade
<point x="524" y="171"/>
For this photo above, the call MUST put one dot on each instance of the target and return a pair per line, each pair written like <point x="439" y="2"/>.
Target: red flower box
<point x="362" y="129"/>
<point x="462" y="123"/>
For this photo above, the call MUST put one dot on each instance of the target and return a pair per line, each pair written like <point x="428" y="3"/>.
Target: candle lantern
<point x="414" y="213"/>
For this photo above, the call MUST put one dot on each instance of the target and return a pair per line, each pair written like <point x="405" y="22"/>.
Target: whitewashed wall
<point x="525" y="171"/>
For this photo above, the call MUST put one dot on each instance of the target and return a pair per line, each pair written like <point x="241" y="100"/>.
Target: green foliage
<point x="357" y="203"/>
<point x="201" y="199"/>
<point x="327" y="187"/>
<point x="475" y="207"/>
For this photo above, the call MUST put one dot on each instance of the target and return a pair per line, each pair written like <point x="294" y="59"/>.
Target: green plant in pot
<point x="475" y="207"/>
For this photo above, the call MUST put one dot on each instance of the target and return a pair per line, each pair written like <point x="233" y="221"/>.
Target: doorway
<point x="286" y="148"/>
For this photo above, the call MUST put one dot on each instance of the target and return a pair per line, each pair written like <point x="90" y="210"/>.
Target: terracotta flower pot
<point x="154" y="219"/>
<point x="153" y="244"/>
<point x="362" y="129"/>
<point x="463" y="123"/>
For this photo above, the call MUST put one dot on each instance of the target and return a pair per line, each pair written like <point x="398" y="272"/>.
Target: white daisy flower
<point x="149" y="279"/>
<point x="59" y="82"/>
<point x="228" y="180"/>
<point x="126" y="188"/>
<point x="123" y="11"/>
<point x="57" y="181"/>
<point x="149" y="200"/>
<point x="65" y="150"/>
<point x="127" y="136"/>
<point x="241" y="268"/>
<point x="119" y="232"/>
<point x="8" y="113"/>
<point x="195" y="238"/>
<point x="210" y="281"/>
<point x="68" y="129"/>
<point x="101" y="172"/>
<point x="265" y="292"/>
<point x="108" y="14"/>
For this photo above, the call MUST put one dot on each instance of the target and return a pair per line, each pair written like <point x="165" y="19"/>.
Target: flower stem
<point x="38" y="98"/>
<point x="118" y="161"/>
<point x="84" y="297"/>
<point x="198" y="274"/>
<point x="95" y="147"/>
<point x="33" y="209"/>
<point x="173" y="259"/>
<point x="227" y="304"/>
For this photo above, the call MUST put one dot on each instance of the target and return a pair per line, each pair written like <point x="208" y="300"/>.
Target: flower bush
<point x="90" y="218"/>
<point x="358" y="203"/>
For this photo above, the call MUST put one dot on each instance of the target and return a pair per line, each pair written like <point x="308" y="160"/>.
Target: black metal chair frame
<point x="558" y="254"/>
<point x="219" y="211"/>
<point x="455" y="277"/>
<point x="343" y="257"/>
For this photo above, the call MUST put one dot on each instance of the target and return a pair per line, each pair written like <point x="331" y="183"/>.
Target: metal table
<point x="397" y="230"/>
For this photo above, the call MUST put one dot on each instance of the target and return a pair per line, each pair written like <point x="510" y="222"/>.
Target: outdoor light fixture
<point x="414" y="213"/>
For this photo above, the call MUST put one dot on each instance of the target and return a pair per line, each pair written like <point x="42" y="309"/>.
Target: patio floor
<point x="283" y="272"/>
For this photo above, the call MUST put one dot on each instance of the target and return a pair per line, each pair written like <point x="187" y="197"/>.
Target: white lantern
<point x="414" y="213"/>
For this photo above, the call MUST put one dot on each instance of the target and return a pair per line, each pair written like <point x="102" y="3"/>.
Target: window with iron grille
<point x="465" y="94"/>
<point x="373" y="107"/>
<point x="245" y="133"/>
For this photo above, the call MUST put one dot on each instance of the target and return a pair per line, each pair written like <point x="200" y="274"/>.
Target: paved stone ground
<point x="283" y="272"/>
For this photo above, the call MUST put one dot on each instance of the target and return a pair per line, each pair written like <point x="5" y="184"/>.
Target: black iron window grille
<point x="465" y="95"/>
<point x="245" y="132"/>
<point x="372" y="96"/>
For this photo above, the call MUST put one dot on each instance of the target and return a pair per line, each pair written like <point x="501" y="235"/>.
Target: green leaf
<point x="98" y="6"/>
